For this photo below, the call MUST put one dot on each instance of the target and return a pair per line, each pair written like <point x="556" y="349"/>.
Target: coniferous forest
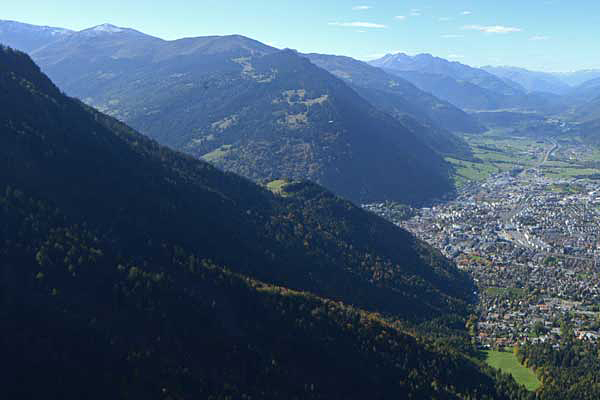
<point x="132" y="271"/>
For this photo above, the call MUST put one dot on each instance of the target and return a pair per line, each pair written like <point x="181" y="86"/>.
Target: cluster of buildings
<point x="531" y="244"/>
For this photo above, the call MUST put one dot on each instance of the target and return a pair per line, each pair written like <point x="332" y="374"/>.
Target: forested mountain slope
<point x="404" y="97"/>
<point x="587" y="91"/>
<point x="113" y="285"/>
<point x="248" y="108"/>
<point x="52" y="145"/>
<point x="430" y="119"/>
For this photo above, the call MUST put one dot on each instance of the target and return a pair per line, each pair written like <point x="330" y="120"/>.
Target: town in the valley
<point x="529" y="236"/>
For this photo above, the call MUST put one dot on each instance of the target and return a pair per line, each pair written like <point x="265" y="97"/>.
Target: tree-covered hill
<point x="83" y="321"/>
<point x="569" y="371"/>
<point x="430" y="119"/>
<point x="142" y="191"/>
<point x="587" y="91"/>
<point x="587" y="98"/>
<point x="591" y="110"/>
<point x="586" y="110"/>
<point x="250" y="109"/>
<point x="404" y="97"/>
<point x="113" y="283"/>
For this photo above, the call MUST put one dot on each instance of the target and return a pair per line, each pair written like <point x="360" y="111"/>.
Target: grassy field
<point x="559" y="164"/>
<point x="217" y="154"/>
<point x="565" y="173"/>
<point x="498" y="153"/>
<point x="514" y="152"/>
<point x="507" y="362"/>
<point x="277" y="186"/>
<point x="470" y="171"/>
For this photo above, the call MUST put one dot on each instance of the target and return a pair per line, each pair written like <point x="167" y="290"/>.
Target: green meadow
<point x="507" y="362"/>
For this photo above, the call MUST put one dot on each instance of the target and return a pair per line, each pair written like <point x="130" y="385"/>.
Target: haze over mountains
<point x="405" y="101"/>
<point x="428" y="64"/>
<point x="527" y="101"/>
<point x="578" y="77"/>
<point x="464" y="86"/>
<point x="29" y="37"/>
<point x="248" y="108"/>
<point x="531" y="81"/>
<point x="268" y="114"/>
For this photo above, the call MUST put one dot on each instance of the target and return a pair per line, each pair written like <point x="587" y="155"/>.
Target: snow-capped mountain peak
<point x="107" y="28"/>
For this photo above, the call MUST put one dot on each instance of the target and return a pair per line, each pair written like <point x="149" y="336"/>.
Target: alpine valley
<point x="216" y="218"/>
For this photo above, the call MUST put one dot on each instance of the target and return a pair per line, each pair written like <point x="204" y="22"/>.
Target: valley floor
<point x="526" y="226"/>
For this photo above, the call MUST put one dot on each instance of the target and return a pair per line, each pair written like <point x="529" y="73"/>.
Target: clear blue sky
<point x="551" y="35"/>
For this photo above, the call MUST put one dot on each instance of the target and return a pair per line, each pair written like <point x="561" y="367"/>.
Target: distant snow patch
<point x="107" y="28"/>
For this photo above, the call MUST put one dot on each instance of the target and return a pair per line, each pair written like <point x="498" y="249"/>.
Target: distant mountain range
<point x="577" y="87"/>
<point x="532" y="81"/>
<point x="29" y="37"/>
<point x="137" y="272"/>
<point x="579" y="92"/>
<point x="428" y="64"/>
<point x="410" y="100"/>
<point x="464" y="86"/>
<point x="259" y="111"/>
<point x="269" y="114"/>
<point x="585" y="92"/>
<point x="588" y="113"/>
<point x="590" y="110"/>
<point x="577" y="78"/>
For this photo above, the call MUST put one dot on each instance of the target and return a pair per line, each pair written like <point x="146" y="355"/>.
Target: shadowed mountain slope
<point x="112" y="284"/>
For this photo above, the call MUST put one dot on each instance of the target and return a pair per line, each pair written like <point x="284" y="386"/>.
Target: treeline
<point x="568" y="372"/>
